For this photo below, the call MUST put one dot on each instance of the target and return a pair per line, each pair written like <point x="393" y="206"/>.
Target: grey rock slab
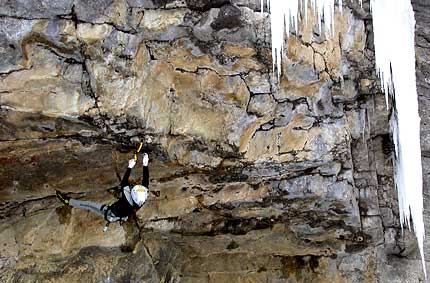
<point x="283" y="113"/>
<point x="331" y="169"/>
<point x="262" y="104"/>
<point x="12" y="31"/>
<point x="203" y="5"/>
<point x="35" y="9"/>
<point x="323" y="103"/>
<point x="228" y="17"/>
<point x="258" y="82"/>
<point x="203" y="29"/>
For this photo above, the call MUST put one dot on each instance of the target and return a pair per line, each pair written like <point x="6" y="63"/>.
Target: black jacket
<point x="122" y="208"/>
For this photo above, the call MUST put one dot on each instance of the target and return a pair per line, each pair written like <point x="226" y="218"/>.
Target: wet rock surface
<point x="258" y="180"/>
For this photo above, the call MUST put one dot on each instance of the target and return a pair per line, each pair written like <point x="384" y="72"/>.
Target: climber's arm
<point x="124" y="181"/>
<point x="145" y="174"/>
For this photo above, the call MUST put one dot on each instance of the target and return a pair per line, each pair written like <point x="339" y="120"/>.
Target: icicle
<point x="285" y="14"/>
<point x="305" y="7"/>
<point x="394" y="29"/>
<point x="262" y="7"/>
<point x="324" y="9"/>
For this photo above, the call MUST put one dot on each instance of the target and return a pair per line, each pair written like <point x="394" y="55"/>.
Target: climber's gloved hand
<point x="145" y="160"/>
<point x="131" y="163"/>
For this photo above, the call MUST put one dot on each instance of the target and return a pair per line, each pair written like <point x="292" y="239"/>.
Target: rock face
<point x="259" y="180"/>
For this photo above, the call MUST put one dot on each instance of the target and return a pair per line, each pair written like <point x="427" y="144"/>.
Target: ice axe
<point x="137" y="151"/>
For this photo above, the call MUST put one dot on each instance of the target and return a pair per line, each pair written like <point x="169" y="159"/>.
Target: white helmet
<point x="139" y="194"/>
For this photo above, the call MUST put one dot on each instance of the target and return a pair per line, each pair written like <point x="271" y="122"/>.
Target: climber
<point x="129" y="201"/>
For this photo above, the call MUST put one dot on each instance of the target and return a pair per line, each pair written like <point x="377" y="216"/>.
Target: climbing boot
<point x="63" y="198"/>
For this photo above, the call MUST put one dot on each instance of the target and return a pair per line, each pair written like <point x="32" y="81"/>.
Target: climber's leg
<point x="95" y="207"/>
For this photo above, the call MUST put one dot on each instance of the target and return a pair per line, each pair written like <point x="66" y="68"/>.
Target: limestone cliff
<point x="258" y="180"/>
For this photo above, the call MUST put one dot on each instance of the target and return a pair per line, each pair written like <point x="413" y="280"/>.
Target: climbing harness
<point x="110" y="217"/>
